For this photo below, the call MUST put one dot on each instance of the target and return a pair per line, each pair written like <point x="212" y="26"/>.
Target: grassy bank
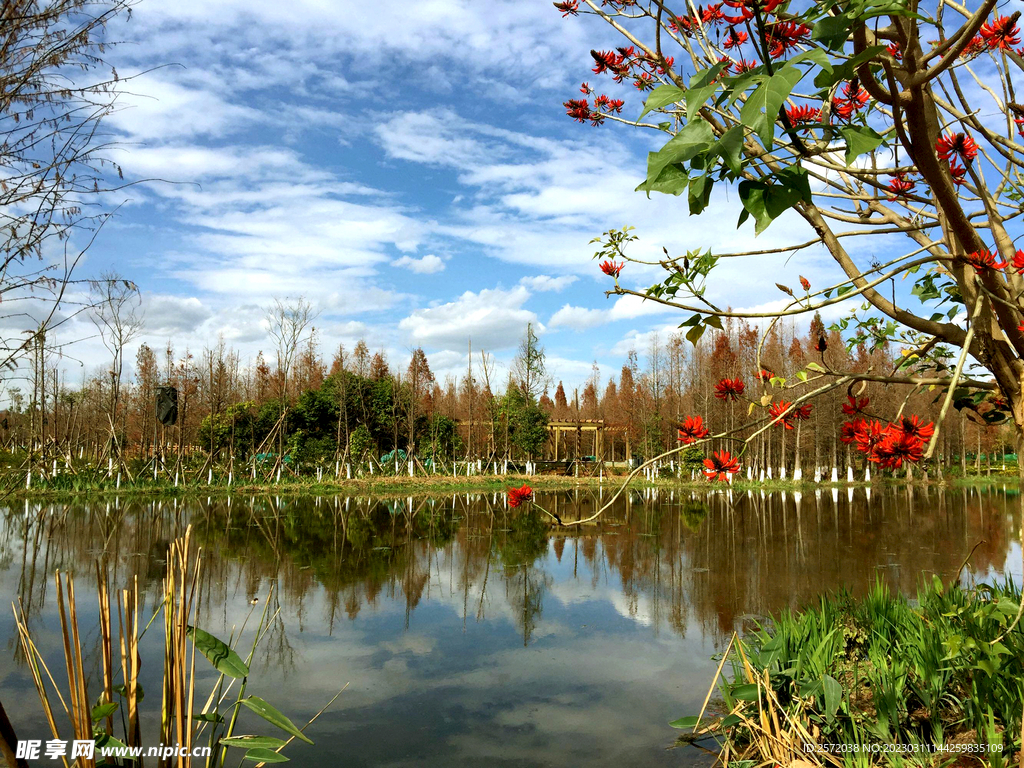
<point x="92" y="482"/>
<point x="941" y="676"/>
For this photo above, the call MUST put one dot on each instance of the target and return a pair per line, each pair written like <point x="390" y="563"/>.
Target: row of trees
<point x="359" y="404"/>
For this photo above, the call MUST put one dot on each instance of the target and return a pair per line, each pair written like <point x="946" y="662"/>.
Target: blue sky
<point x="409" y="169"/>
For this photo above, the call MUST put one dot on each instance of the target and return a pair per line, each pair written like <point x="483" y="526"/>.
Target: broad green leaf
<point x="860" y="139"/>
<point x="103" y="710"/>
<point x="736" y="86"/>
<point x="672" y="180"/>
<point x="766" y="202"/>
<point x="762" y="108"/>
<point x="209" y="717"/>
<point x="662" y="96"/>
<point x="832" y="31"/>
<point x="745" y="692"/>
<point x="846" y="70"/>
<point x="802" y="375"/>
<point x="700" y="193"/>
<point x="815" y="367"/>
<point x="693" y="335"/>
<point x="714" y="321"/>
<point x="274" y="717"/>
<point x="730" y="148"/>
<point x="685" y="722"/>
<point x="702" y="86"/>
<point x="260" y="755"/>
<point x="833" y="695"/>
<point x="691" y="139"/>
<point x="815" y="56"/>
<point x="225" y="660"/>
<point x="253" y="742"/>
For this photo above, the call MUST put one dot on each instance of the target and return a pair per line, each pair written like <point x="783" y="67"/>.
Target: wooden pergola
<point x="571" y="436"/>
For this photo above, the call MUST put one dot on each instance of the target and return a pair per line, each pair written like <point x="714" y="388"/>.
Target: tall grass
<point x="187" y="718"/>
<point x="936" y="675"/>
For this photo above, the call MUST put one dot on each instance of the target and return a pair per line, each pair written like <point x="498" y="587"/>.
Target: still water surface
<point x="471" y="635"/>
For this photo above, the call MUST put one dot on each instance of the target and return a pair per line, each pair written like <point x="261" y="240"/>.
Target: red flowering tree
<point x="893" y="118"/>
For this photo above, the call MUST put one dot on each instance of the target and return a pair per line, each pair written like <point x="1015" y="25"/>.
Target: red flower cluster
<point x="984" y="259"/>
<point x="854" y="98"/>
<point x="734" y="39"/>
<point x="610" y="61"/>
<point x="803" y="114"/>
<point x="784" y="36"/>
<point x="741" y="66"/>
<point x="570" y="7"/>
<point x="579" y="110"/>
<point x="720" y="466"/>
<point x="956" y="144"/>
<point x="1000" y="33"/>
<point x="608" y="104"/>
<point x="765" y="375"/>
<point x="1018" y="261"/>
<point x="891" y="445"/>
<point x="853" y="406"/>
<point x="893" y="49"/>
<point x="746" y="9"/>
<point x="729" y="389"/>
<point x="958" y="172"/>
<point x="778" y="411"/>
<point x="612" y="269"/>
<point x="692" y="429"/>
<point x="517" y="496"/>
<point x="900" y="186"/>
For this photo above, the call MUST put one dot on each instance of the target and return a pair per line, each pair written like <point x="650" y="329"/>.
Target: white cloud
<point x="427" y="265"/>
<point x="624" y="308"/>
<point x="492" y="319"/>
<point x="173" y="314"/>
<point x="540" y="283"/>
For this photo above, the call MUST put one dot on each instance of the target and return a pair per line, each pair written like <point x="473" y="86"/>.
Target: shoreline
<point x="418" y="486"/>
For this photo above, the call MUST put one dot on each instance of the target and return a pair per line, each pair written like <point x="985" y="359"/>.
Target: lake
<point x="473" y="635"/>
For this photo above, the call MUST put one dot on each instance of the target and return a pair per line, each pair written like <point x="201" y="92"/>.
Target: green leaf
<point x="274" y="717"/>
<point x="700" y="194"/>
<point x="730" y="148"/>
<point x="833" y="695"/>
<point x="846" y="70"/>
<point x="672" y="180"/>
<point x="260" y="755"/>
<point x="225" y="660"/>
<point x="815" y="367"/>
<point x="762" y="108"/>
<point x="832" y="31"/>
<point x="685" y="722"/>
<point x="691" y="139"/>
<point x="253" y="742"/>
<point x="104" y="710"/>
<point x="766" y="202"/>
<point x="693" y="335"/>
<point x="702" y="85"/>
<point x="662" y="96"/>
<point x="209" y="717"/>
<point x="714" y="321"/>
<point x="860" y="139"/>
<point x="745" y="692"/>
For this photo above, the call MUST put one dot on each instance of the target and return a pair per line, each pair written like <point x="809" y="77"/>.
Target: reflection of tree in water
<point x="518" y="548"/>
<point x="682" y="561"/>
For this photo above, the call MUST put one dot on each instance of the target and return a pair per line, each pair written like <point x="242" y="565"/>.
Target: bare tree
<point x="117" y="316"/>
<point x="287" y="322"/>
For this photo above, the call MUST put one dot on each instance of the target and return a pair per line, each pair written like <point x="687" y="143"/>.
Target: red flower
<point x="958" y="172"/>
<point x="976" y="46"/>
<point x="741" y="66"/>
<point x="517" y="496"/>
<point x="855" y="93"/>
<point x="850" y="429"/>
<point x="805" y="283"/>
<point x="1018" y="261"/>
<point x="712" y="14"/>
<point x="1019" y="122"/>
<point x="1021" y="327"/>
<point x="720" y="466"/>
<point x="778" y="412"/>
<point x="1001" y="33"/>
<point x="608" y="104"/>
<point x="783" y="36"/>
<point x="913" y="426"/>
<point x="568" y="8"/>
<point x="893" y="49"/>
<point x="746" y="8"/>
<point x="586" y="89"/>
<point x="578" y="110"/>
<point x="853" y="406"/>
<point x="959" y="144"/>
<point x="609" y="61"/>
<point x="612" y="269"/>
<point x="765" y="375"/>
<point x="867" y="436"/>
<point x="692" y="429"/>
<point x="734" y="39"/>
<point x="984" y="259"/>
<point x="803" y="114"/>
<point x="644" y="81"/>
<point x="683" y="24"/>
<point x="896" y="447"/>
<point x="729" y="389"/>
<point x="900" y="185"/>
